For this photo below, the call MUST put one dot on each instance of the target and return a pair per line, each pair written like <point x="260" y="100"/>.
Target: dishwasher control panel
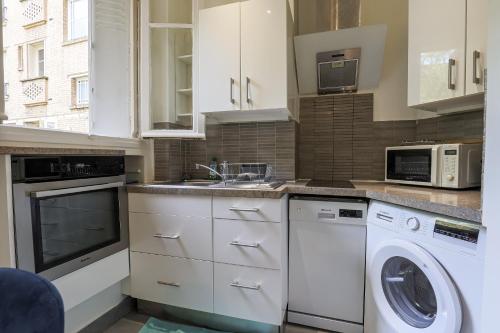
<point x="328" y="210"/>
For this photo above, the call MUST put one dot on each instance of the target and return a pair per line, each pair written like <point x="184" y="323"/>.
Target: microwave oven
<point x="338" y="71"/>
<point x="456" y="166"/>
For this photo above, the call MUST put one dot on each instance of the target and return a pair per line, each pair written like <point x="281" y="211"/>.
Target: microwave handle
<point x="435" y="166"/>
<point x="52" y="193"/>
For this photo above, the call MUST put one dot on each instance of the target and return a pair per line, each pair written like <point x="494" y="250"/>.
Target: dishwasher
<point x="327" y="253"/>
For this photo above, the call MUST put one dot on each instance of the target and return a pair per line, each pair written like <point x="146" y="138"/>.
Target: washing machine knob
<point x="413" y="223"/>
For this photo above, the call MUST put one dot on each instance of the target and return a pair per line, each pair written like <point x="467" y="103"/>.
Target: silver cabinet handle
<point x="238" y="284"/>
<point x="451" y="64"/>
<point x="171" y="284"/>
<point x="231" y="98"/>
<point x="475" y="58"/>
<point x="167" y="236"/>
<point x="236" y="209"/>
<point x="243" y="244"/>
<point x="249" y="100"/>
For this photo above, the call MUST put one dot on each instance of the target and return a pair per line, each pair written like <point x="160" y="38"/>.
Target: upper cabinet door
<point x="476" y="45"/>
<point x="436" y="59"/>
<point x="219" y="45"/>
<point x="264" y="54"/>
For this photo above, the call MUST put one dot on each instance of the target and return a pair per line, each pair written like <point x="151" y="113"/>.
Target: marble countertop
<point x="13" y="150"/>
<point x="463" y="204"/>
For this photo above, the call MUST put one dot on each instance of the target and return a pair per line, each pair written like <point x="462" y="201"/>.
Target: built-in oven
<point x="69" y="211"/>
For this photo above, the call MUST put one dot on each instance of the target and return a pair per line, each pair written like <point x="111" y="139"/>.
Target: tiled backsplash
<point x="336" y="139"/>
<point x="271" y="142"/>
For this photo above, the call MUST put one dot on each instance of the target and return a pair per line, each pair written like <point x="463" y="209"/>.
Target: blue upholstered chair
<point x="29" y="304"/>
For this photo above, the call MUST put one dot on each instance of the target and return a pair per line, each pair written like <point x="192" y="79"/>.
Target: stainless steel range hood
<point x="327" y="25"/>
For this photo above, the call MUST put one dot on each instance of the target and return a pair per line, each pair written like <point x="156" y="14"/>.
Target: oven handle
<point x="53" y="193"/>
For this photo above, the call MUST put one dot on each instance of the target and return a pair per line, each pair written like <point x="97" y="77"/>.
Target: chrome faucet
<point x="221" y="175"/>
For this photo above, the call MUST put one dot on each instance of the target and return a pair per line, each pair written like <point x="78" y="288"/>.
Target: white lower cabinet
<point x="247" y="243"/>
<point x="232" y="262"/>
<point x="178" y="236"/>
<point x="248" y="293"/>
<point x="181" y="282"/>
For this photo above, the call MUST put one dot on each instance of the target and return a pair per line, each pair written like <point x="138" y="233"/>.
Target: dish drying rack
<point x="246" y="172"/>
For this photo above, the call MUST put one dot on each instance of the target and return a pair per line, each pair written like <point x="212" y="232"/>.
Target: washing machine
<point x="424" y="272"/>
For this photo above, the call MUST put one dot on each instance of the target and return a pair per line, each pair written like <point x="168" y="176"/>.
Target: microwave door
<point x="414" y="166"/>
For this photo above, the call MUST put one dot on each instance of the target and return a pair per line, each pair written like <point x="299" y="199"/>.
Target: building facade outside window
<point x="77" y="19"/>
<point x="40" y="66"/>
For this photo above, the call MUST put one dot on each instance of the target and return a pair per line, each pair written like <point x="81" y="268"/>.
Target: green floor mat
<point x="154" y="325"/>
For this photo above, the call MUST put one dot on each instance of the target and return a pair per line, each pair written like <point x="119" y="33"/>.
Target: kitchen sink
<point x="220" y="184"/>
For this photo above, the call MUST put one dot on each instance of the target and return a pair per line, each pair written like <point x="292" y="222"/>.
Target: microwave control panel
<point x="449" y="175"/>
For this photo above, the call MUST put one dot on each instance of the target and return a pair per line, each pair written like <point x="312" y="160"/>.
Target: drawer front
<point x="250" y="209"/>
<point x="248" y="293"/>
<point x="178" y="236"/>
<point x="180" y="205"/>
<point x="174" y="281"/>
<point x="247" y="243"/>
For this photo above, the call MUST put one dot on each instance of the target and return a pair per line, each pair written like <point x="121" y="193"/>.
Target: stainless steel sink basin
<point x="219" y="184"/>
<point x="188" y="183"/>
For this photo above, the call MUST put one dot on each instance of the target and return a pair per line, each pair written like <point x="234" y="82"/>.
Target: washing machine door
<point x="412" y="290"/>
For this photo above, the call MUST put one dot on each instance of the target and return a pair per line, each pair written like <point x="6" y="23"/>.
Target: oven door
<point x="64" y="226"/>
<point x="416" y="165"/>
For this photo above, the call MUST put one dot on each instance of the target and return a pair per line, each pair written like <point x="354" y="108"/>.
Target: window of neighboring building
<point x="4" y="14"/>
<point x="6" y="90"/>
<point x="20" y="58"/>
<point x="36" y="59"/>
<point x="32" y="123"/>
<point x="78" y="18"/>
<point x="81" y="91"/>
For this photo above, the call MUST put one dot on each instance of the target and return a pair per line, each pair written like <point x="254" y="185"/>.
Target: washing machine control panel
<point x="463" y="231"/>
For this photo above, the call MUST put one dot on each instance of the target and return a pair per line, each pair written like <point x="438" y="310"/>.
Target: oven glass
<point x="69" y="226"/>
<point x="410" y="165"/>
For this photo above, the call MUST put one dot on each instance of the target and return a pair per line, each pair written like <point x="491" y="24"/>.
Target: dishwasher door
<point x="327" y="263"/>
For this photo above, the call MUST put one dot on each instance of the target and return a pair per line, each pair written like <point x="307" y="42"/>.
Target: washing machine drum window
<point x="412" y="291"/>
<point x="409" y="292"/>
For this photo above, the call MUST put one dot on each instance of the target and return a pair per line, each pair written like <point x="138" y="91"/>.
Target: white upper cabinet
<point x="263" y="54"/>
<point x="246" y="58"/>
<point x="168" y="69"/>
<point x="220" y="67"/>
<point x="476" y="45"/>
<point x="443" y="36"/>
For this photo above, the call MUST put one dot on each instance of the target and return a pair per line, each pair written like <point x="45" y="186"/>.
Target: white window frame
<point x="41" y="137"/>
<point x="41" y="62"/>
<point x="33" y="74"/>
<point x="78" y="98"/>
<point x="71" y="21"/>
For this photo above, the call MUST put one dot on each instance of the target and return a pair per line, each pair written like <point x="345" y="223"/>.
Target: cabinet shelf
<point x="171" y="25"/>
<point x="187" y="91"/>
<point x="187" y="59"/>
<point x="185" y="115"/>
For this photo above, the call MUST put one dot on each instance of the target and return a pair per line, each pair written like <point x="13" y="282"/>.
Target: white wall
<point x="390" y="101"/>
<point x="491" y="188"/>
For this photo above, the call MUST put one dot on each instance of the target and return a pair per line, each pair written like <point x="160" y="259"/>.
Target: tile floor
<point x="133" y="323"/>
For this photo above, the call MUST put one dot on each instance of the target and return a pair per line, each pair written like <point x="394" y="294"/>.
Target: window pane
<point x="78" y="19"/>
<point x="171" y="95"/>
<point x="82" y="93"/>
<point x="170" y="11"/>
<point x="40" y="68"/>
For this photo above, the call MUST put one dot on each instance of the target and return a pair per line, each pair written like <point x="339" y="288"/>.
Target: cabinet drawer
<point x="185" y="283"/>
<point x="181" y="205"/>
<point x="247" y="243"/>
<point x="252" y="209"/>
<point x="178" y="236"/>
<point x="248" y="293"/>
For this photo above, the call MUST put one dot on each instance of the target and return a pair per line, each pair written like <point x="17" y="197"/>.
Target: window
<point x="20" y="58"/>
<point x="6" y="91"/>
<point x="36" y="60"/>
<point x="4" y="15"/>
<point x="77" y="19"/>
<point x="82" y="91"/>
